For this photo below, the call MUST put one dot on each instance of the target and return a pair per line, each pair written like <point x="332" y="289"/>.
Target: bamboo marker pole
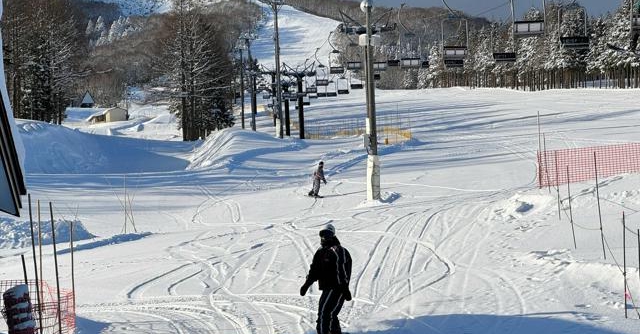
<point x="24" y="270"/>
<point x="40" y="244"/>
<point x="573" y="231"/>
<point x="35" y="264"/>
<point x="555" y="155"/>
<point x="595" y="167"/>
<point x="624" y="264"/>
<point x="73" y="276"/>
<point x="55" y="259"/>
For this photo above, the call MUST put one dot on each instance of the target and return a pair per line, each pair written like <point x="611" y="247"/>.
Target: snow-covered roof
<point x="101" y="112"/>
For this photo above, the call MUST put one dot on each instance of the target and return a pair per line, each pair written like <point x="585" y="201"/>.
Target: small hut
<point x="115" y="114"/>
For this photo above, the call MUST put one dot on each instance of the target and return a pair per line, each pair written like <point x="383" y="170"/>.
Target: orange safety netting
<point x="580" y="164"/>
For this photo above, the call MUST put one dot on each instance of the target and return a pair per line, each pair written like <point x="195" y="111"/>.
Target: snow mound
<point x="232" y="148"/>
<point x="521" y="205"/>
<point x="54" y="149"/>
<point x="17" y="234"/>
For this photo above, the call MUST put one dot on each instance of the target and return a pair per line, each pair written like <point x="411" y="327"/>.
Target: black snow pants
<point x="329" y="306"/>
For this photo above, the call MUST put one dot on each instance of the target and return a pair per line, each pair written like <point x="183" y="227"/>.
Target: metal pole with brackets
<point x="371" y="137"/>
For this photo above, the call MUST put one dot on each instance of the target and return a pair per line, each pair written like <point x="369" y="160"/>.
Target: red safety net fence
<point x="580" y="164"/>
<point x="46" y="312"/>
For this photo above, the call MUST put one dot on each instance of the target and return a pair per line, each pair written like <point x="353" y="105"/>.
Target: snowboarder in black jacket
<point x="331" y="267"/>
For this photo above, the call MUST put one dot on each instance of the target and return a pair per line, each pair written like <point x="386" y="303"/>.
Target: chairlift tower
<point x="276" y="5"/>
<point x="240" y="48"/>
<point x="253" y="74"/>
<point x="300" y="75"/>
<point x="371" y="137"/>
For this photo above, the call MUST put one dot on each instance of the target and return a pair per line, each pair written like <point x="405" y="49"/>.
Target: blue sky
<point x="475" y="7"/>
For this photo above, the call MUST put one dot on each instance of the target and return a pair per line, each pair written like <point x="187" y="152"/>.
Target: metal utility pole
<point x="275" y="6"/>
<point x="371" y="139"/>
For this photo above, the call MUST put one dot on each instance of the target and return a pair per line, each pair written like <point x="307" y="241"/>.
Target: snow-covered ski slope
<point x="463" y="241"/>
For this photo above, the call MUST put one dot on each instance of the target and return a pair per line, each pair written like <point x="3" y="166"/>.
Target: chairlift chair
<point x="634" y="17"/>
<point x="504" y="57"/>
<point x="354" y="65"/>
<point x="408" y="58"/>
<point x="322" y="82"/>
<point x="454" y="63"/>
<point x="454" y="52"/>
<point x="411" y="62"/>
<point x="342" y="86"/>
<point x="635" y="21"/>
<point x="393" y="63"/>
<point x="574" y="42"/>
<point x="380" y="66"/>
<point x="334" y="69"/>
<point x="528" y="28"/>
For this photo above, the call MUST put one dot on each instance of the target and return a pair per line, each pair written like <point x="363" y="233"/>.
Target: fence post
<point x="595" y="166"/>
<point x="573" y="232"/>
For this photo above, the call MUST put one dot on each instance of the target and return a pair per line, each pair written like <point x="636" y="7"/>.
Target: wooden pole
<point x="595" y="167"/>
<point x="573" y="231"/>
<point x="55" y="259"/>
<point x="35" y="264"/>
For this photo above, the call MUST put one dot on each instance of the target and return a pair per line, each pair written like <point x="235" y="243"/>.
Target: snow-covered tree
<point x="200" y="72"/>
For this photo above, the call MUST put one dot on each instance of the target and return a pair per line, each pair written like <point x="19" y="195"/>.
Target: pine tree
<point x="200" y="71"/>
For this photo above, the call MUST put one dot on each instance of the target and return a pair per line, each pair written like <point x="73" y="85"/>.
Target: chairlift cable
<point x="449" y="8"/>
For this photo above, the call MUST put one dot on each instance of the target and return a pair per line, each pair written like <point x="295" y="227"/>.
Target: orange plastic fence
<point x="580" y="164"/>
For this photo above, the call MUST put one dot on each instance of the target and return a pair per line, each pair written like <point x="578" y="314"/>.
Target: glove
<point x="325" y="181"/>
<point x="346" y="292"/>
<point x="304" y="288"/>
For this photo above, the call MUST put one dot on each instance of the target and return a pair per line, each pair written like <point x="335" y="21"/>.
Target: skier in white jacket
<point x="318" y="176"/>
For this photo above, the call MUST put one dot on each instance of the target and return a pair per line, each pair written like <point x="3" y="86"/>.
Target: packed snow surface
<point x="216" y="236"/>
